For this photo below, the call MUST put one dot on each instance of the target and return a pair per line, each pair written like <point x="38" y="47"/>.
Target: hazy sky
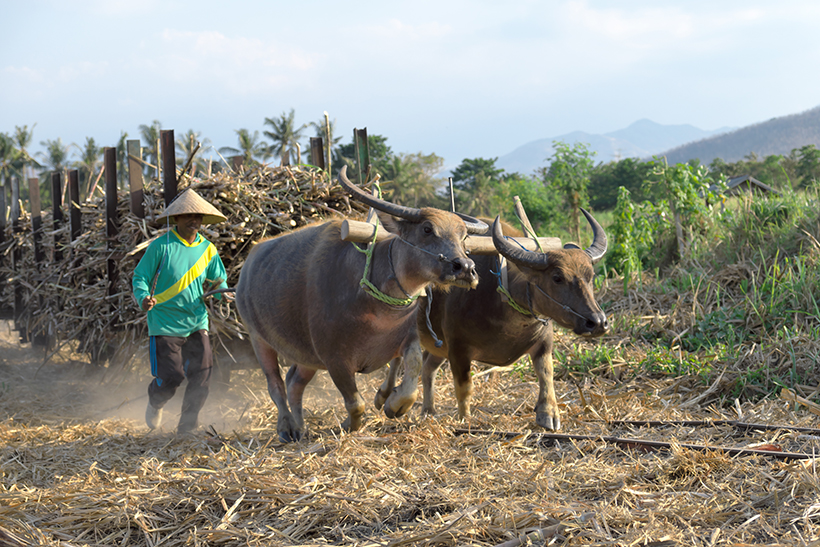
<point x="461" y="79"/>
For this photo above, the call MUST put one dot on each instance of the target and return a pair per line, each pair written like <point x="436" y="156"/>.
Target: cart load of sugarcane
<point x="80" y="289"/>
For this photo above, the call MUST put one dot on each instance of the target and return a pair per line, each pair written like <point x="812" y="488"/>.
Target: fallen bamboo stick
<point x="549" y="439"/>
<point x="362" y="232"/>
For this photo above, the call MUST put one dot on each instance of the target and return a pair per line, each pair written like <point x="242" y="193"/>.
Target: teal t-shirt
<point x="183" y="268"/>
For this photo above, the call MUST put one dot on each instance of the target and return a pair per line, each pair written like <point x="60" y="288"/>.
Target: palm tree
<point x="411" y="179"/>
<point x="8" y="153"/>
<point x="56" y="154"/>
<point x="55" y="158"/>
<point x="250" y="147"/>
<point x="479" y="198"/>
<point x="285" y="136"/>
<point x="22" y="139"/>
<point x="190" y="144"/>
<point x="150" y="135"/>
<point x="88" y="164"/>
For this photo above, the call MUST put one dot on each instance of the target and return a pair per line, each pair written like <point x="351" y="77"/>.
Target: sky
<point x="461" y="79"/>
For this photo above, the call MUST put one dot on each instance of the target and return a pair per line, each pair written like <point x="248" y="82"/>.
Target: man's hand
<point x="148" y="302"/>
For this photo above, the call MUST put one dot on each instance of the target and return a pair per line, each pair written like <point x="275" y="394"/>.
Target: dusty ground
<point x="78" y="466"/>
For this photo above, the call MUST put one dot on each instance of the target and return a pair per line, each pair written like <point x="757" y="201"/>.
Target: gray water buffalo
<point x="481" y="326"/>
<point x="322" y="304"/>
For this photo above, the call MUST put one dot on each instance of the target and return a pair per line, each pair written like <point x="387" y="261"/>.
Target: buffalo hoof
<point x="396" y="407"/>
<point x="548" y="421"/>
<point x="288" y="431"/>
<point x="380" y="399"/>
<point x="346" y="425"/>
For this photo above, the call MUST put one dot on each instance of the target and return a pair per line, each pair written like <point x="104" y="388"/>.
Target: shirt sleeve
<point x="144" y="273"/>
<point x="216" y="270"/>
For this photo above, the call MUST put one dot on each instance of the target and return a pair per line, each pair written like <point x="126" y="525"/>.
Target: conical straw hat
<point x="191" y="203"/>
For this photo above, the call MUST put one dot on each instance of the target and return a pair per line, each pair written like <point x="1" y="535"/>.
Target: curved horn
<point x="598" y="248"/>
<point x="407" y="213"/>
<point x="474" y="225"/>
<point x="536" y="261"/>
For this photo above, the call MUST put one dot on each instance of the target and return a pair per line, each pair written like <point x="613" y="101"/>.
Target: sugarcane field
<point x="690" y="419"/>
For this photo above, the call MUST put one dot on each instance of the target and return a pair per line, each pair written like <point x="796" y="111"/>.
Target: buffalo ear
<point x="389" y="222"/>
<point x="571" y="246"/>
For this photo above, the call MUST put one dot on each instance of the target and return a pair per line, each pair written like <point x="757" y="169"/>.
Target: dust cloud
<point x="67" y="388"/>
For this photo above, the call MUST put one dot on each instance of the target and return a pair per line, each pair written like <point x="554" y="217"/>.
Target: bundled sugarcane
<point x="70" y="298"/>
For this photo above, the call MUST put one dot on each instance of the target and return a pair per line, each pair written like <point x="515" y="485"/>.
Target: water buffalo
<point x="322" y="303"/>
<point x="480" y="325"/>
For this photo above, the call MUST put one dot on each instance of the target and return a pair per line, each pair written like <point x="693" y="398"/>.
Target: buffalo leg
<point x="402" y="398"/>
<point x="428" y="381"/>
<point x="547" y="414"/>
<point x="389" y="383"/>
<point x="345" y="382"/>
<point x="297" y="379"/>
<point x="462" y="380"/>
<point x="286" y="425"/>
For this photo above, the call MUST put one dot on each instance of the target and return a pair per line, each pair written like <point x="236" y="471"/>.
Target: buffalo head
<point x="560" y="281"/>
<point x="429" y="243"/>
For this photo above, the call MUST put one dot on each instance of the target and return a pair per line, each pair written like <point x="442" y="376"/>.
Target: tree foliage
<point x="569" y="172"/>
<point x="285" y="137"/>
<point x="150" y="149"/>
<point x="250" y="146"/>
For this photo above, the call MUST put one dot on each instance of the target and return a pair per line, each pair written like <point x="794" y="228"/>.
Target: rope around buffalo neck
<point x="369" y="287"/>
<point x="500" y="288"/>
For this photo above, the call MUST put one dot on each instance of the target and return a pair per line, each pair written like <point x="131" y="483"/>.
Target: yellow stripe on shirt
<point x="189" y="277"/>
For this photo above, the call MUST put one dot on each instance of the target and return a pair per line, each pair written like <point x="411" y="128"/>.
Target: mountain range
<point x="679" y="143"/>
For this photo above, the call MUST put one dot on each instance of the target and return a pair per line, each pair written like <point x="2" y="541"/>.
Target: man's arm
<point x="144" y="273"/>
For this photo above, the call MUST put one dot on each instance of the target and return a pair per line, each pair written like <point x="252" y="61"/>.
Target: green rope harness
<point x="501" y="289"/>
<point x="369" y="287"/>
<point x="511" y="301"/>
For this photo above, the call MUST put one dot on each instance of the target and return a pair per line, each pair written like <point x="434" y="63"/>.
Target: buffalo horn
<point x="474" y="226"/>
<point x="538" y="261"/>
<point x="517" y="255"/>
<point x="407" y="213"/>
<point x="598" y="247"/>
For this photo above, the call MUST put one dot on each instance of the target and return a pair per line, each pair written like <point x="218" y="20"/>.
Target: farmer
<point x="168" y="284"/>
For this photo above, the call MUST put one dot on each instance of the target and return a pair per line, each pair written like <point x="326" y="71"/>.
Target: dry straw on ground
<point x="80" y="468"/>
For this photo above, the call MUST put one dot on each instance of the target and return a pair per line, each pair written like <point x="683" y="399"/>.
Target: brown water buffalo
<point x="480" y="326"/>
<point x="302" y="295"/>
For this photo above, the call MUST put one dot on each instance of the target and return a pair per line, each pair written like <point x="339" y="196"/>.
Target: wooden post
<point x="317" y="153"/>
<point x="17" y="259"/>
<point x="169" y="165"/>
<point x="111" y="220"/>
<point x="237" y="162"/>
<point x="39" y="337"/>
<point x="56" y="213"/>
<point x="362" y="154"/>
<point x="74" y="204"/>
<point x="329" y="137"/>
<point x="36" y="218"/>
<point x="135" y="182"/>
<point x="5" y="313"/>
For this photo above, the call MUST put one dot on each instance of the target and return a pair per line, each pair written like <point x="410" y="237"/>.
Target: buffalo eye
<point x="557" y="279"/>
<point x="428" y="229"/>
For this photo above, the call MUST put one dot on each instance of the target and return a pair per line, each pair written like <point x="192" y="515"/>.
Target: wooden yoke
<point x="360" y="232"/>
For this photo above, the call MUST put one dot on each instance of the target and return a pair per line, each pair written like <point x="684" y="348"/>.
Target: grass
<point x="745" y="303"/>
